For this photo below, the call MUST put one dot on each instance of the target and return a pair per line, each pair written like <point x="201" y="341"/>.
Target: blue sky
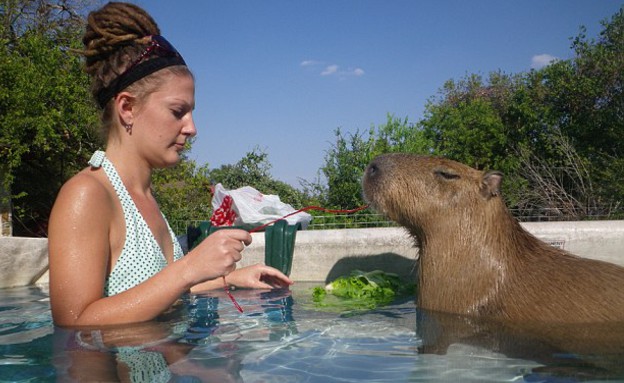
<point x="283" y="75"/>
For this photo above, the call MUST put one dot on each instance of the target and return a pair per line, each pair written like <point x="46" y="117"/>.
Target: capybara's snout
<point x="371" y="174"/>
<point x="371" y="170"/>
<point x="382" y="171"/>
<point x="372" y="181"/>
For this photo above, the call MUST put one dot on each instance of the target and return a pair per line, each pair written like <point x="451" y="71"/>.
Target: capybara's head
<point x="417" y="190"/>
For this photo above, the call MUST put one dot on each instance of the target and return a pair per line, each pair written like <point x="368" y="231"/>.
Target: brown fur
<point x="475" y="258"/>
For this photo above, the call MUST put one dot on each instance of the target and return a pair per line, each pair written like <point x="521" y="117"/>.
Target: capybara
<point x="475" y="258"/>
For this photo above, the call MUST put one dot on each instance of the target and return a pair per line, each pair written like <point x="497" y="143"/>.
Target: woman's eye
<point x="178" y="113"/>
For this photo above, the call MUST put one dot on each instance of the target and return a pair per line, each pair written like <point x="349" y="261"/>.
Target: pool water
<point x="280" y="337"/>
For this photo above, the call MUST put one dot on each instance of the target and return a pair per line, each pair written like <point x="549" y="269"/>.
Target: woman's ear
<point x="125" y="108"/>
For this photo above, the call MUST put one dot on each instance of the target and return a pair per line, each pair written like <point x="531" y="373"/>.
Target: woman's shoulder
<point x="88" y="189"/>
<point x="83" y="205"/>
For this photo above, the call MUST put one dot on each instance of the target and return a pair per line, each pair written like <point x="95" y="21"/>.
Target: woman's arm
<point x="80" y="245"/>
<point x="257" y="276"/>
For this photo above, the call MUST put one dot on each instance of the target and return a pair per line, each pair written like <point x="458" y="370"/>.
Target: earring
<point x="128" y="128"/>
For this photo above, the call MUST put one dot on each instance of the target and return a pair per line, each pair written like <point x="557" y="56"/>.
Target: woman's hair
<point x="116" y="36"/>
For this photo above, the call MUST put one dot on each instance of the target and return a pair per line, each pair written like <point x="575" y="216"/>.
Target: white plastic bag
<point x="253" y="208"/>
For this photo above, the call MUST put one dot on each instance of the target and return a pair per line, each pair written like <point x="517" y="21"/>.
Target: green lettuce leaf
<point x="360" y="291"/>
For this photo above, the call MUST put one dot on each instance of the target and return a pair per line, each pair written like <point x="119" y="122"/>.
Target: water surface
<point x="283" y="337"/>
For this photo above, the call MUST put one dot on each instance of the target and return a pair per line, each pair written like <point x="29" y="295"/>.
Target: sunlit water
<point x="280" y="337"/>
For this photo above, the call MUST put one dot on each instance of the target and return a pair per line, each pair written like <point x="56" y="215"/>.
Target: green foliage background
<point x="47" y="120"/>
<point x="555" y="132"/>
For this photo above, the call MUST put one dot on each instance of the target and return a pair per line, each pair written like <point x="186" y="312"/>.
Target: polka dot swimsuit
<point x="141" y="256"/>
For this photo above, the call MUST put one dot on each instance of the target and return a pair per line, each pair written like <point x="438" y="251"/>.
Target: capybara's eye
<point x="446" y="175"/>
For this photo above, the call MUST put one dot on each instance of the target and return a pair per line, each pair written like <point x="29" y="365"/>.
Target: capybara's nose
<point x="372" y="169"/>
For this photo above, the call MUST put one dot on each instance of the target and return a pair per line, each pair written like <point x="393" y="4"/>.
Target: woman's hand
<point x="258" y="276"/>
<point x="216" y="255"/>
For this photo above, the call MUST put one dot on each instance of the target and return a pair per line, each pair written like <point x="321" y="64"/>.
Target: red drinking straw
<point x="229" y="294"/>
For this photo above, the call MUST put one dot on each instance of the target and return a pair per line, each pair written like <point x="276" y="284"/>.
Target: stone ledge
<point x="322" y="255"/>
<point x="22" y="260"/>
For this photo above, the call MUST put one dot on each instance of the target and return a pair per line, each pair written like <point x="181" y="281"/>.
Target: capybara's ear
<point x="491" y="183"/>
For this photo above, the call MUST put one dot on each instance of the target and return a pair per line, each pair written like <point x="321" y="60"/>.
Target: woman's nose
<point x="190" y="128"/>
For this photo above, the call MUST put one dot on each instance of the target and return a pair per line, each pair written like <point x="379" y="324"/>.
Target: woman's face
<point x="164" y="121"/>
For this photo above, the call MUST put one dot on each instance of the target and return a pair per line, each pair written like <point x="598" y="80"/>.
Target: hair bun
<point x="114" y="35"/>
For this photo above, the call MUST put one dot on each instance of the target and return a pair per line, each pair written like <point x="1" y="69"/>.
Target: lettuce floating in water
<point x="360" y="290"/>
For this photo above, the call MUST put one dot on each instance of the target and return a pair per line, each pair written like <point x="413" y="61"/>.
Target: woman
<point x="113" y="257"/>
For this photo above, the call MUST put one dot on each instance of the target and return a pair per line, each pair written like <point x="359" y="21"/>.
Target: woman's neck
<point x="134" y="171"/>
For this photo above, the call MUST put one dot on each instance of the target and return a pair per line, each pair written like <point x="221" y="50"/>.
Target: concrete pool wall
<point x="322" y="255"/>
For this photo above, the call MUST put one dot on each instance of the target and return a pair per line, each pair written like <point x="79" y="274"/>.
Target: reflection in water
<point x="578" y="352"/>
<point x="283" y="337"/>
<point x="160" y="351"/>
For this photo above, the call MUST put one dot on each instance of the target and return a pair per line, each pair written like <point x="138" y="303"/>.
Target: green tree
<point x="587" y="96"/>
<point x="554" y="132"/>
<point x="478" y="122"/>
<point x="46" y="117"/>
<point x="183" y="192"/>
<point x="254" y="170"/>
<point x="346" y="161"/>
<point x="466" y="122"/>
<point x="399" y="135"/>
<point x="344" y="166"/>
<point x="572" y="111"/>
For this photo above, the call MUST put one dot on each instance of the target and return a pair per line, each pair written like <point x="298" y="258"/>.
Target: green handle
<point x="279" y="240"/>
